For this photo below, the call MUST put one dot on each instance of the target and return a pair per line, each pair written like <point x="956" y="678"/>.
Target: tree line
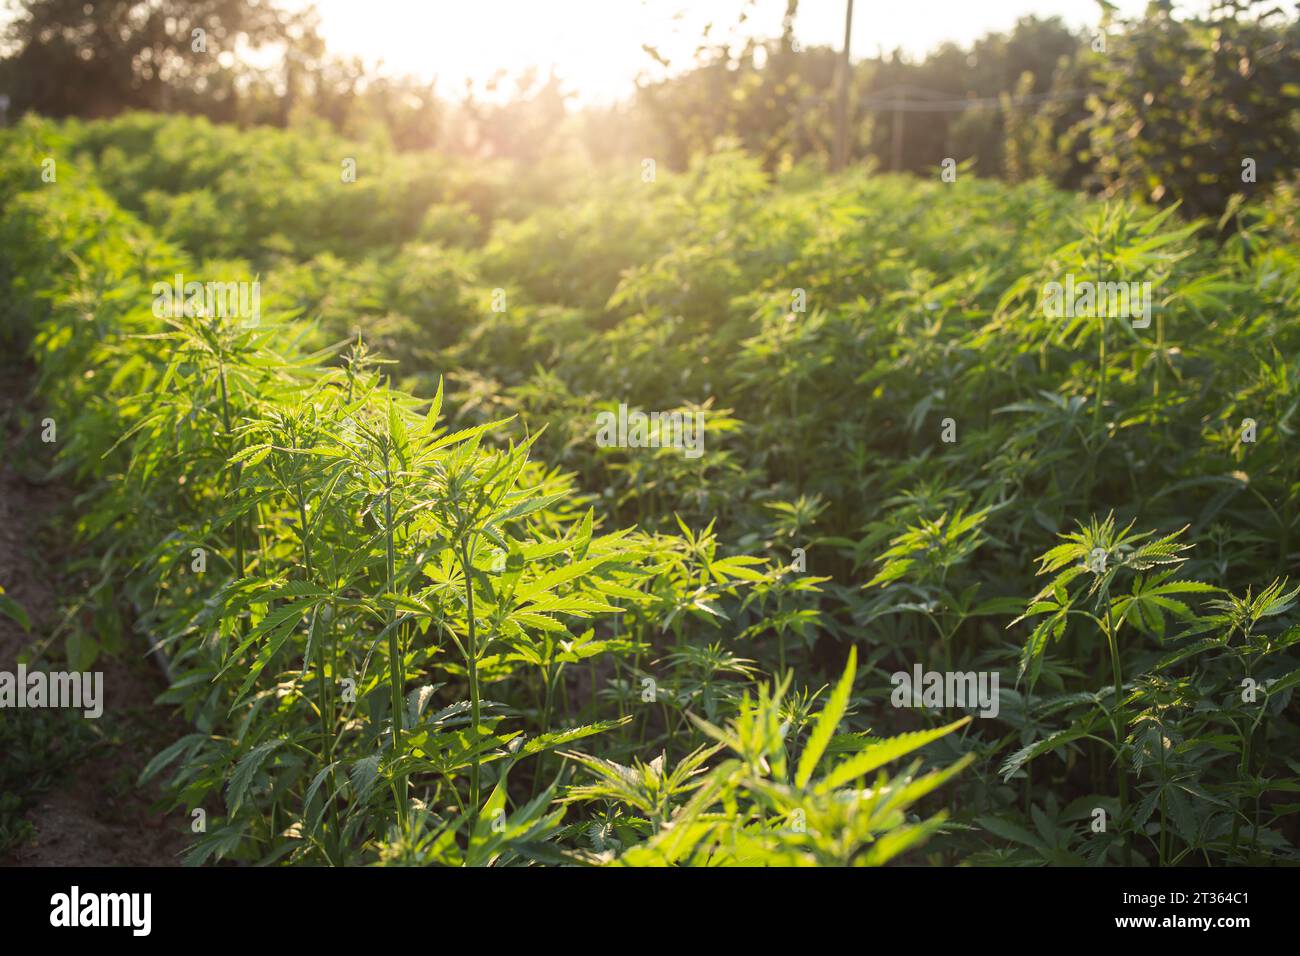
<point x="1170" y="104"/>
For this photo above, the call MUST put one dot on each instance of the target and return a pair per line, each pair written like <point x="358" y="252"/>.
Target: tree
<point x="1185" y="103"/>
<point x="72" y="58"/>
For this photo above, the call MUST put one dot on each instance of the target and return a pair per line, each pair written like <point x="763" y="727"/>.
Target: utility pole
<point x="841" y="154"/>
<point x="900" y="105"/>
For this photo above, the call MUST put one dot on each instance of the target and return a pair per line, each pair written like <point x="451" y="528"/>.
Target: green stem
<point x="234" y="491"/>
<point x="471" y="661"/>
<point x="395" y="679"/>
<point x="1164" y="830"/>
<point x="1160" y="352"/>
<point x="1101" y="371"/>
<point x="322" y="701"/>
<point x="1118" y="720"/>
<point x="322" y="688"/>
<point x="549" y="678"/>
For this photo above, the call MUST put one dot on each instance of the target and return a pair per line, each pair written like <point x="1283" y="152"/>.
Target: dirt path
<point x="68" y="794"/>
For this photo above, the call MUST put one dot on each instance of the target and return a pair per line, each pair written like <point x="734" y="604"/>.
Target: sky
<point x="595" y="45"/>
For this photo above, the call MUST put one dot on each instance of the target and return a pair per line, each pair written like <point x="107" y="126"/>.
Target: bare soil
<point x="93" y="814"/>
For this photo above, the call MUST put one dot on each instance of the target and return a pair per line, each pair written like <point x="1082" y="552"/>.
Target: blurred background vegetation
<point x="1167" y="104"/>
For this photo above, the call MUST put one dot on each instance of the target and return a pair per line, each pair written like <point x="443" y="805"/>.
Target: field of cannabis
<point x="505" y="513"/>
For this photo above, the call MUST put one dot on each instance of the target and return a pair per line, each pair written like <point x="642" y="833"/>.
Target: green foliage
<point x="378" y="622"/>
<point x="1183" y="103"/>
<point x="567" y="653"/>
<point x="14" y="611"/>
<point x="750" y="810"/>
<point x="39" y="747"/>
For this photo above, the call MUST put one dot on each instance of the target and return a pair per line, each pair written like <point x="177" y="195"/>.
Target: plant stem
<point x="471" y="655"/>
<point x="321" y="690"/>
<point x="1117" y="717"/>
<point x="395" y="678"/>
<point x="322" y="687"/>
<point x="234" y="491"/>
<point x="1101" y="372"/>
